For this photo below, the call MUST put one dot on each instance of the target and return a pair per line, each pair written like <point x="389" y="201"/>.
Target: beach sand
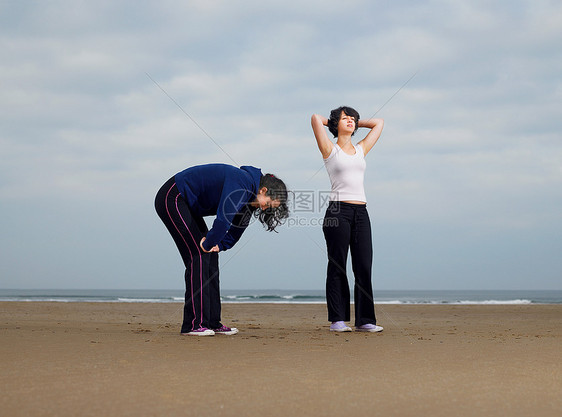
<point x="121" y="359"/>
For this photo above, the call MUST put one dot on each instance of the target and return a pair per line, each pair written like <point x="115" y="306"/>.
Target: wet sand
<point x="69" y="359"/>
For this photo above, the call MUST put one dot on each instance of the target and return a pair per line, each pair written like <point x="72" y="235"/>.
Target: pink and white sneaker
<point x="201" y="331"/>
<point x="229" y="331"/>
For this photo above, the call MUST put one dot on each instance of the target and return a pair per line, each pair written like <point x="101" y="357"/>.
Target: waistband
<point x="349" y="205"/>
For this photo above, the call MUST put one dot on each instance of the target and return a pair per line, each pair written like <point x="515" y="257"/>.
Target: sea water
<point x="290" y="296"/>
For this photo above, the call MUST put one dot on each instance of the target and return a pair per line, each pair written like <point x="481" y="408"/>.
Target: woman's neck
<point x="344" y="142"/>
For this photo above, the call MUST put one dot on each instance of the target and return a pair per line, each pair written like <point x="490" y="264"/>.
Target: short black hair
<point x="335" y="116"/>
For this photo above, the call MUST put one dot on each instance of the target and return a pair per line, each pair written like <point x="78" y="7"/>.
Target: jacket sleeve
<point x="231" y="203"/>
<point x="239" y="224"/>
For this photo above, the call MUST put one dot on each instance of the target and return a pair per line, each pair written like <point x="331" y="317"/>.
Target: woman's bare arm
<point x="325" y="145"/>
<point x="373" y="136"/>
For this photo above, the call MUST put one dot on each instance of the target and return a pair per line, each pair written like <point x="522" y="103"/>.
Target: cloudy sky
<point x="101" y="102"/>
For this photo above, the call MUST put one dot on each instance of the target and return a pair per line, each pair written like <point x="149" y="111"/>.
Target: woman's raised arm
<point x="369" y="141"/>
<point x="324" y="144"/>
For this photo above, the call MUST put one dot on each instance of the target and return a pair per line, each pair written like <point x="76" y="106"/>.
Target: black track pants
<point x="347" y="228"/>
<point x="202" y="306"/>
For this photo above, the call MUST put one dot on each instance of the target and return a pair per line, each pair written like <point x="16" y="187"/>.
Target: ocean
<point x="290" y="296"/>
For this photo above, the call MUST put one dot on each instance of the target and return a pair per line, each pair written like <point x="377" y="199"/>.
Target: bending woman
<point x="346" y="224"/>
<point x="231" y="194"/>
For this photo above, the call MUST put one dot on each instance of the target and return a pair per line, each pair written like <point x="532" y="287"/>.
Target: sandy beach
<point x="121" y="359"/>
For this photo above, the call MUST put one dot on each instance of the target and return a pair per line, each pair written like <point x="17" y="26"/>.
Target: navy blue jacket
<point x="221" y="190"/>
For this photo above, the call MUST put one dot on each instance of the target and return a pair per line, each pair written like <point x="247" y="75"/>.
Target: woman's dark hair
<point x="335" y="116"/>
<point x="276" y="189"/>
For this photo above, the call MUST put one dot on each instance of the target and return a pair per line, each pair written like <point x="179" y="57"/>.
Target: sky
<point x="102" y="102"/>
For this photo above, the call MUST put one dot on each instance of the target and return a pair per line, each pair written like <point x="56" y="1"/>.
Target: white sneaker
<point x="339" y="326"/>
<point x="369" y="328"/>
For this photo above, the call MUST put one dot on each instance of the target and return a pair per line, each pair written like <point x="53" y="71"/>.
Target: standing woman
<point x="231" y="194"/>
<point x="346" y="225"/>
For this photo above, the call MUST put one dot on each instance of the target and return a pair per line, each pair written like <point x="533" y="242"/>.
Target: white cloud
<point x="471" y="144"/>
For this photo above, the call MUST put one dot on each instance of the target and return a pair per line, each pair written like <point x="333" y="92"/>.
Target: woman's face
<point x="346" y="124"/>
<point x="264" y="201"/>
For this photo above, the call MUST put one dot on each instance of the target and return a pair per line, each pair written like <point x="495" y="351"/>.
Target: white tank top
<point x="346" y="173"/>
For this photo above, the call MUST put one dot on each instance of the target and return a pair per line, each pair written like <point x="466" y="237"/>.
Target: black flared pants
<point x="347" y="228"/>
